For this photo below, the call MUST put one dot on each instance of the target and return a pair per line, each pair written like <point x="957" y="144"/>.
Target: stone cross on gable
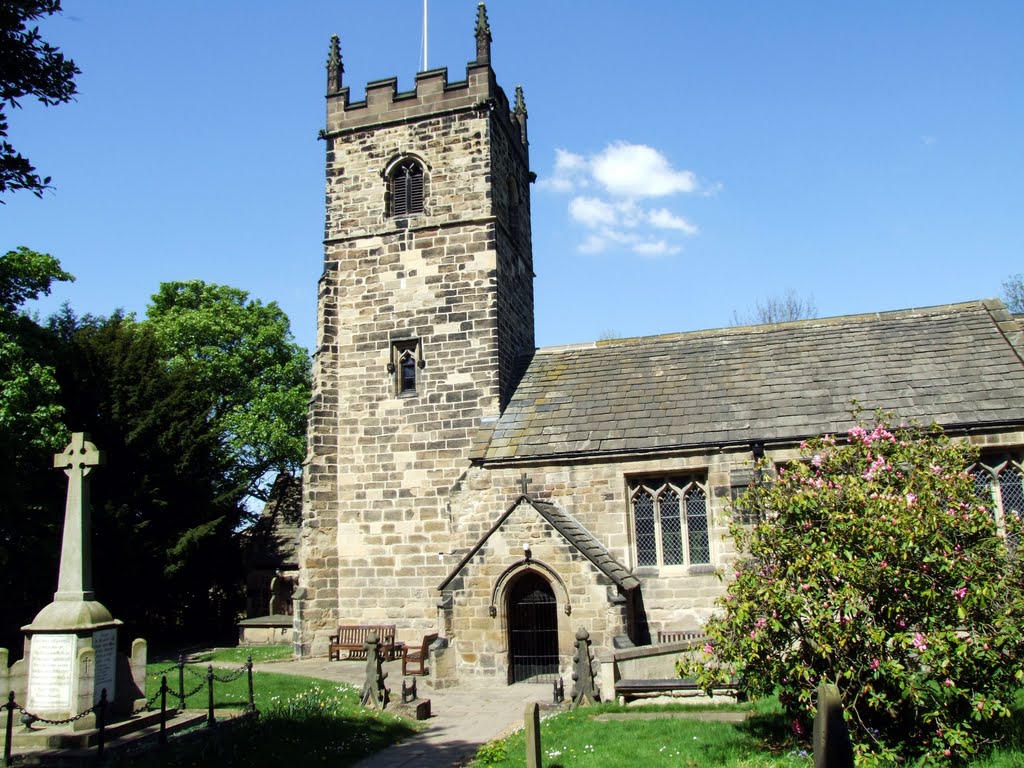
<point x="77" y="461"/>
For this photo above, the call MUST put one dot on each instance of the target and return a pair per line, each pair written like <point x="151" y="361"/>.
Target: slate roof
<point x="273" y="541"/>
<point x="958" y="364"/>
<point x="573" y="532"/>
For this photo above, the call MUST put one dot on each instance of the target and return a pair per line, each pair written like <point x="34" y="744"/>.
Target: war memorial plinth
<point x="70" y="652"/>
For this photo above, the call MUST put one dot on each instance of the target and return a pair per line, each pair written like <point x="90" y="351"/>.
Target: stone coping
<point x="663" y="649"/>
<point x="268" y="621"/>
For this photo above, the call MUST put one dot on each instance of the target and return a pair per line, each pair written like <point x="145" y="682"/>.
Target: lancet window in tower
<point x="405" y="364"/>
<point x="405" y="189"/>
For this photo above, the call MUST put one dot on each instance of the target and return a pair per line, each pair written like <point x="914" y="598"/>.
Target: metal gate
<point x="533" y="630"/>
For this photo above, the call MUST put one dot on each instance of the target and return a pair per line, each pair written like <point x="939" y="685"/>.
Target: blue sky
<point x="692" y="158"/>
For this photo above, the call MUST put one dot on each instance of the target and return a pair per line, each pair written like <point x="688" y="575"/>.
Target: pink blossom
<point x="948" y="683"/>
<point x="960" y="594"/>
<point x="911" y="498"/>
<point x="797" y="727"/>
<point x="981" y="706"/>
<point x="816" y="460"/>
<point x="920" y="642"/>
<point x="709" y="648"/>
<point x="875" y="663"/>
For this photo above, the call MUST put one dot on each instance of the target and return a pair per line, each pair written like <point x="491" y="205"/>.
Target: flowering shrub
<point x="877" y="567"/>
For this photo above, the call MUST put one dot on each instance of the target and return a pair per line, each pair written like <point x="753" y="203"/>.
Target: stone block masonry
<point x="452" y="285"/>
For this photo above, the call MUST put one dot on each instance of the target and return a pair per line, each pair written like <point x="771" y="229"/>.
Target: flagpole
<point x="424" y="35"/>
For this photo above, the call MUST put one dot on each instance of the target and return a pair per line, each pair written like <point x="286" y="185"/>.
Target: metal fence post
<point x="163" y="711"/>
<point x="10" y="728"/>
<point x="101" y="722"/>
<point x="181" y="682"/>
<point x="209" y="679"/>
<point x="252" y="701"/>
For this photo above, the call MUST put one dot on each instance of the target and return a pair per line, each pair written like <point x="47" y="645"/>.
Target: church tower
<point x="425" y="317"/>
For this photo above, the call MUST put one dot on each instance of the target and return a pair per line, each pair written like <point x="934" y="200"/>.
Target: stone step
<point x="65" y="739"/>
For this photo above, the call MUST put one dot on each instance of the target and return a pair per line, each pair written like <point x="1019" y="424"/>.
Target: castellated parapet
<point x="451" y="286"/>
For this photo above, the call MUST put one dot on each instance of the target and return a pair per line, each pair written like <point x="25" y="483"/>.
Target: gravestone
<point x="531" y="725"/>
<point x="832" y="747"/>
<point x="71" y="645"/>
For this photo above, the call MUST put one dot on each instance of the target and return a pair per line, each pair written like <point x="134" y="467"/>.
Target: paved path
<point x="462" y="718"/>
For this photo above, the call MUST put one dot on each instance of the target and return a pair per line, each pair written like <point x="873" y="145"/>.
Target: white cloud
<point x="617" y="180"/>
<point x="663" y="218"/>
<point x="592" y="212"/>
<point x="636" y="170"/>
<point x="655" y="248"/>
<point x="571" y="171"/>
<point x="568" y="163"/>
<point x="593" y="244"/>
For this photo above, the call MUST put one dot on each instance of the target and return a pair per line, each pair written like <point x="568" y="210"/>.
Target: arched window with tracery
<point x="670" y="522"/>
<point x="1000" y="485"/>
<point x="405" y="189"/>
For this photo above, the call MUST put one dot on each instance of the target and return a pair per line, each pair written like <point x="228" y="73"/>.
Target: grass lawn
<point x="301" y="721"/>
<point x="764" y="740"/>
<point x="576" y="738"/>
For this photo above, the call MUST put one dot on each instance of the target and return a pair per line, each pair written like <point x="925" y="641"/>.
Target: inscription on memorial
<point x="104" y="643"/>
<point x="50" y="669"/>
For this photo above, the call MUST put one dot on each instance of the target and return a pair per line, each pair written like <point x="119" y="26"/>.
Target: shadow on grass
<point x="271" y="740"/>
<point x="771" y="730"/>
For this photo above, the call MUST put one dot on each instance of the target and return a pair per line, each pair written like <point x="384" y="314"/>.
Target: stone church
<point x="461" y="481"/>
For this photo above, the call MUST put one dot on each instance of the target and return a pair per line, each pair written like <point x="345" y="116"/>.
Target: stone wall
<point x="475" y="618"/>
<point x="597" y="495"/>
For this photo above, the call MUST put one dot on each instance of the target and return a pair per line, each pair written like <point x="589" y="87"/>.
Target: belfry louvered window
<point x="670" y="522"/>
<point x="406" y="189"/>
<point x="1001" y="484"/>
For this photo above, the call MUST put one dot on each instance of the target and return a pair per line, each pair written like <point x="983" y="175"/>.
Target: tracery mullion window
<point x="1011" y="496"/>
<point x="670" y="523"/>
<point x="646" y="536"/>
<point x="697" y="526"/>
<point x="982" y="483"/>
<point x="671" y="528"/>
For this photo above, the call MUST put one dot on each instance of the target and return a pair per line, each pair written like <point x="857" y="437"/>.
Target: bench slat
<point x="632" y="688"/>
<point x="352" y="638"/>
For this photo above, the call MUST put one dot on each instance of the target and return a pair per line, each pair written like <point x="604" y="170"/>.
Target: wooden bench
<point x="417" y="658"/>
<point x="633" y="688"/>
<point x="353" y="640"/>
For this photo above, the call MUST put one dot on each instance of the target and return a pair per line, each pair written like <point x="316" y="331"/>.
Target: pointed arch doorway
<point x="532" y="612"/>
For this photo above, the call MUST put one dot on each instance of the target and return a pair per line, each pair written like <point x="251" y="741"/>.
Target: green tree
<point x="877" y="567"/>
<point x="29" y="66"/>
<point x="31" y="430"/>
<point x="256" y="377"/>
<point x="164" y="508"/>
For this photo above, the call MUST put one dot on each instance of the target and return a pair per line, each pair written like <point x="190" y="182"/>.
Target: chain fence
<point x="207" y="679"/>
